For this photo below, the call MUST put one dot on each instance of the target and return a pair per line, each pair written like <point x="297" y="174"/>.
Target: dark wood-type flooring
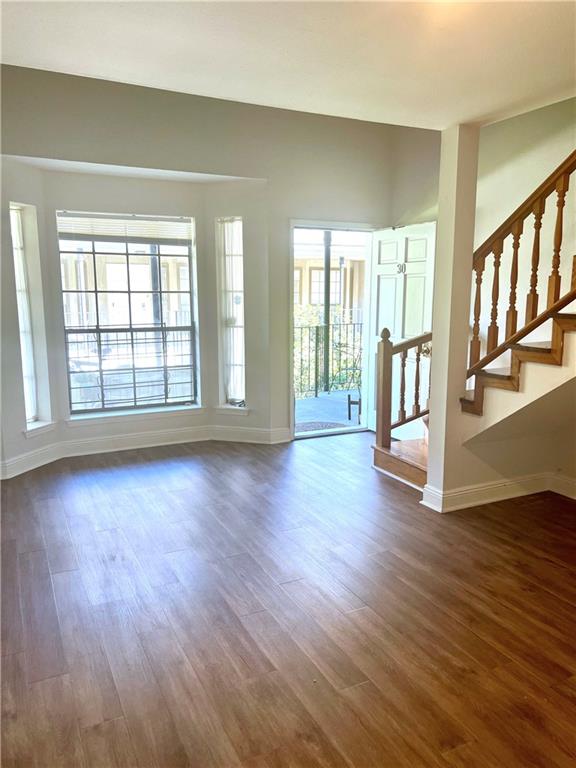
<point x="280" y="607"/>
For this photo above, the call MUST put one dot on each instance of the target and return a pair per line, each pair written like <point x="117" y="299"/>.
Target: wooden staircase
<point x="485" y="344"/>
<point x="545" y="353"/>
<point x="407" y="460"/>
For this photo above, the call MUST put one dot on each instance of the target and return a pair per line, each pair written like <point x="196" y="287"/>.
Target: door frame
<point x="429" y="298"/>
<point x="334" y="225"/>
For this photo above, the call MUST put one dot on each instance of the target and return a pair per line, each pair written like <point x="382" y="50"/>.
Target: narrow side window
<point x="231" y="278"/>
<point x="24" y="315"/>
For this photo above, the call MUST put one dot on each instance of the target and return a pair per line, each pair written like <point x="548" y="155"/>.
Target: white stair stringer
<point x="537" y="381"/>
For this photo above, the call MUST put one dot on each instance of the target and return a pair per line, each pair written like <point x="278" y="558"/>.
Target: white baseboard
<point x="30" y="460"/>
<point x="249" y="435"/>
<point x="86" y="446"/>
<point x="564" y="485"/>
<point x="498" y="490"/>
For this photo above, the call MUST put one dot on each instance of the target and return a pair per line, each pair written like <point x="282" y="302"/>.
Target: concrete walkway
<point x="327" y="411"/>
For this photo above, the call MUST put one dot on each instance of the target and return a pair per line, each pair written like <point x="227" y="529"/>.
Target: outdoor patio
<point x="327" y="411"/>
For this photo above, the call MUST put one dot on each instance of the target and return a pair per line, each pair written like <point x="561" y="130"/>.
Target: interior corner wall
<point x="315" y="167"/>
<point x="415" y="175"/>
<point x="19" y="185"/>
<point x="248" y="199"/>
<point x="515" y="156"/>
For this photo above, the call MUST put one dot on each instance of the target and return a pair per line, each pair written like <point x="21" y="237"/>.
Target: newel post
<point x="384" y="391"/>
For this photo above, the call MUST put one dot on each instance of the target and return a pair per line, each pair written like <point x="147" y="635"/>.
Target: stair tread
<point x="539" y="346"/>
<point x="566" y="315"/>
<point x="496" y="373"/>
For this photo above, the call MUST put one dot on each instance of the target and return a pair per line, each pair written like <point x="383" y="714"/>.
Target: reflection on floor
<point x="327" y="411"/>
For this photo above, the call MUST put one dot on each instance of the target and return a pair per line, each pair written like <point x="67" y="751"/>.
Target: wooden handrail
<point x="386" y="352"/>
<point x="404" y="346"/>
<point x="500" y="266"/>
<point x="519" y="335"/>
<point x="524" y="210"/>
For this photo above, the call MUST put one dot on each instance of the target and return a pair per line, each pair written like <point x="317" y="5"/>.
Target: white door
<point x="401" y="279"/>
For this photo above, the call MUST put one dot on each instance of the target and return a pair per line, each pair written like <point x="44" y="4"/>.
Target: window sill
<point x="226" y="410"/>
<point x="38" y="428"/>
<point x="82" y="419"/>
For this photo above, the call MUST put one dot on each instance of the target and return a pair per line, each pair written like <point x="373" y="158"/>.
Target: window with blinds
<point x="24" y="315"/>
<point x="129" y="310"/>
<point x="231" y="275"/>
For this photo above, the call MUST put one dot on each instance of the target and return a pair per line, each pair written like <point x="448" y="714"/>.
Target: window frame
<point x="226" y="400"/>
<point x="297" y="298"/>
<point x="333" y="270"/>
<point x="25" y="317"/>
<point x="130" y="329"/>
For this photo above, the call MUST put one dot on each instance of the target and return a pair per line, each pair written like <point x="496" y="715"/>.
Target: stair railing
<point x="385" y="422"/>
<point x="491" y="251"/>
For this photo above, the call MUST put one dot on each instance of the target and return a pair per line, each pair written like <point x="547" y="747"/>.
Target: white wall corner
<point x="25" y="462"/>
<point x="562" y="484"/>
<point x="433" y="499"/>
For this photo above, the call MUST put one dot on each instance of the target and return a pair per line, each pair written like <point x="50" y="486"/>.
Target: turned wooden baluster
<point x="416" y="406"/>
<point x="532" y="298"/>
<point x="402" y="409"/>
<point x="554" y="279"/>
<point x="492" y="340"/>
<point x="384" y="391"/>
<point x="475" y="341"/>
<point x="512" y="314"/>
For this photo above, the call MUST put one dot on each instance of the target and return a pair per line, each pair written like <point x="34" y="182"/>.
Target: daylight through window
<point x="129" y="314"/>
<point x="24" y="315"/>
<point x="230" y="235"/>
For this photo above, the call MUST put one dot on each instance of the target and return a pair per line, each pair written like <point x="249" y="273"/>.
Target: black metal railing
<point x="327" y="358"/>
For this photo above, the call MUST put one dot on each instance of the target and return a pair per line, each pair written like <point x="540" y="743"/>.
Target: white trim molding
<point x="564" y="485"/>
<point x="497" y="490"/>
<point x="231" y="410"/>
<point x="38" y="428"/>
<point x="250" y="435"/>
<point x="109" y="443"/>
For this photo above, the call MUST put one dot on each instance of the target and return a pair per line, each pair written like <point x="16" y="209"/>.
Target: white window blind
<point x="24" y="315"/>
<point x="125" y="227"/>
<point x="231" y="274"/>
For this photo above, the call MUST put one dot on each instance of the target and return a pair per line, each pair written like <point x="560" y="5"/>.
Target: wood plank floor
<point x="280" y="607"/>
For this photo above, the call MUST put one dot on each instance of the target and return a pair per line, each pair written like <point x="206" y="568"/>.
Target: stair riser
<point x="544" y="358"/>
<point x="399" y="468"/>
<point x="552" y="356"/>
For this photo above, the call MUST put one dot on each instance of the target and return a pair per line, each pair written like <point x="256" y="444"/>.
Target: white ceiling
<point x="421" y="64"/>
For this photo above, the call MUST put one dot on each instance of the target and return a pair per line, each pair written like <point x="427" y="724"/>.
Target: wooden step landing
<point x="406" y="460"/>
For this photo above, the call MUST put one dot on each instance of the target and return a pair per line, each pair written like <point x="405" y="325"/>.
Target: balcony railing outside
<point x="339" y="369"/>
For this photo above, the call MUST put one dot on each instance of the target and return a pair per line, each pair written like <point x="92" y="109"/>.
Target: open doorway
<point x="330" y="271"/>
<point x="401" y="294"/>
